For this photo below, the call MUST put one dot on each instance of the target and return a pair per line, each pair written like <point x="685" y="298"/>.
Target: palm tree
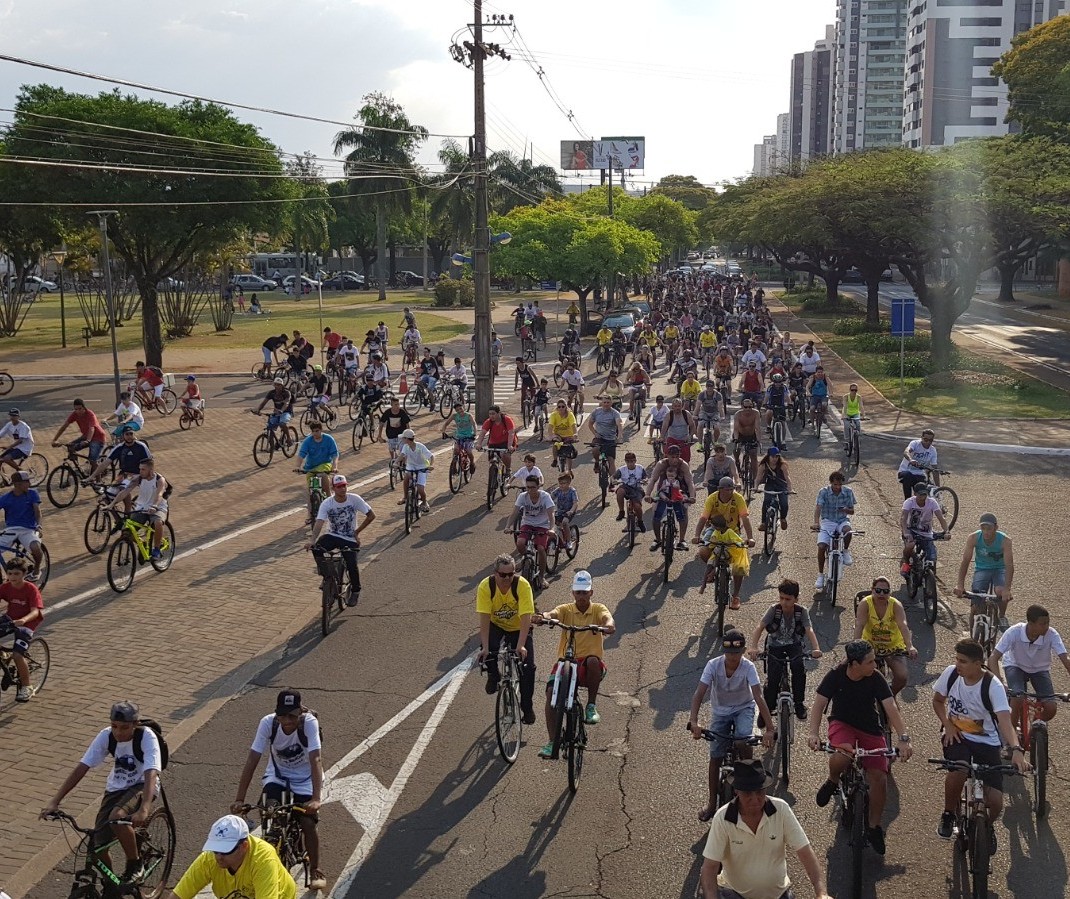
<point x="312" y="212"/>
<point x="454" y="203"/>
<point x="519" y="182"/>
<point x="381" y="163"/>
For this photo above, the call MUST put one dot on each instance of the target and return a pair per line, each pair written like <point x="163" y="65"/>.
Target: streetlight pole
<point x="60" y="256"/>
<point x="102" y="217"/>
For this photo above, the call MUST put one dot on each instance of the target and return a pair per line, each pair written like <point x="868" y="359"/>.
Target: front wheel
<point x="603" y="484"/>
<point x="1038" y="758"/>
<point x="769" y="536"/>
<point x="185" y="422"/>
<point x="122" y="564"/>
<point x="928" y="592"/>
<point x="167" y="402"/>
<point x="576" y="746"/>
<point x="37" y="466"/>
<point x="263" y="450"/>
<point x="326" y="604"/>
<point x="508" y="723"/>
<point x="167" y="549"/>
<point x="978" y="854"/>
<point x="359" y="433"/>
<point x="779" y="433"/>
<point x="45" y="568"/>
<point x="455" y="474"/>
<point x="156" y="847"/>
<point x="62" y="486"/>
<point x="7" y="383"/>
<point x="99" y="527"/>
<point x="784" y="729"/>
<point x="558" y="368"/>
<point x="833" y="585"/>
<point x="859" y="823"/>
<point x="39" y="658"/>
<point x="949" y="504"/>
<point x="288" y="439"/>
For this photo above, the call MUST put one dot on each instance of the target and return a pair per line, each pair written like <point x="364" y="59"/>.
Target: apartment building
<point x="810" y="114"/>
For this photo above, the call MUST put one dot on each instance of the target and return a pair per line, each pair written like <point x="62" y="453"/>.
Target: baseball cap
<point x="289" y="701"/>
<point x="673" y="450"/>
<point x="774" y="451"/>
<point x="339" y="479"/>
<point x="733" y="641"/>
<point x="921" y="487"/>
<point x="226" y="833"/>
<point x="280" y="381"/>
<point x="191" y="377"/>
<point x="15" y="413"/>
<point x="989" y="518"/>
<point x="408" y="434"/>
<point x="582" y="581"/>
<point x="125" y="711"/>
<point x="726" y="482"/>
<point x="21" y="476"/>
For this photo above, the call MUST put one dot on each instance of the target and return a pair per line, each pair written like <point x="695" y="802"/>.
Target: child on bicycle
<point x="23" y="615"/>
<point x="567" y="501"/>
<point x="191" y="397"/>
<point x="738" y="557"/>
<point x="528" y="469"/>
<point x="464" y="434"/>
<point x="541" y="400"/>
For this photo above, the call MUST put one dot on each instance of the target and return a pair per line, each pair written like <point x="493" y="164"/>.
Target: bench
<point x="87" y="333"/>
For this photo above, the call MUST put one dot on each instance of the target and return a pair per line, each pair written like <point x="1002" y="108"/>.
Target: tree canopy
<point x="1037" y="72"/>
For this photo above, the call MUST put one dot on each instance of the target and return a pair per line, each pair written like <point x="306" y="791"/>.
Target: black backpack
<point x="512" y="587"/>
<point x="139" y="732"/>
<point x="302" y="737"/>
<point x="778" y="617"/>
<point x="986" y="698"/>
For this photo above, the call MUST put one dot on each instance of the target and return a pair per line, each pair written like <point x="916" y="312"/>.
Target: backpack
<point x="778" y="617"/>
<point x="513" y="587"/>
<point x="156" y="371"/>
<point x="986" y="698"/>
<point x="307" y="351"/>
<point x="139" y="732"/>
<point x="302" y="737"/>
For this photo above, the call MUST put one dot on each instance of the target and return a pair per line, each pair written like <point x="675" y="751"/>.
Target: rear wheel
<point x="263" y="450"/>
<point x="167" y="402"/>
<point x="122" y="564"/>
<point x="928" y="593"/>
<point x="1038" y="758"/>
<point x="833" y="585"/>
<point x="949" y="504"/>
<point x="784" y="728"/>
<point x="978" y="854"/>
<point x="720" y="592"/>
<point x="859" y="822"/>
<point x="769" y="537"/>
<point x="410" y="507"/>
<point x="39" y="658"/>
<point x="856" y="445"/>
<point x="62" y="486"/>
<point x="99" y="527"/>
<point x="603" y="483"/>
<point x="37" y="465"/>
<point x="45" y="568"/>
<point x="576" y="746"/>
<point x="156" y="847"/>
<point x="326" y="603"/>
<point x="719" y="617"/>
<point x="359" y="433"/>
<point x="492" y="484"/>
<point x="508" y="723"/>
<point x="553" y="552"/>
<point x="7" y="383"/>
<point x="167" y="549"/>
<point x="455" y="473"/>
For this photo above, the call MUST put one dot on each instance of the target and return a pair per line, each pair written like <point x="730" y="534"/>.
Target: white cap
<point x="582" y="581"/>
<point x="226" y="833"/>
<point x="408" y="434"/>
<point x="339" y="479"/>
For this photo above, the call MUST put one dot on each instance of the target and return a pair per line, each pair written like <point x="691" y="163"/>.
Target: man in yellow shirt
<point x="235" y="863"/>
<point x="581" y="612"/>
<point x="505" y="604"/>
<point x="671" y="333"/>
<point x="563" y="427"/>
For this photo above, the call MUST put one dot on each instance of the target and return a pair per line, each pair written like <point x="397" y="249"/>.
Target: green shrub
<point x="447" y="292"/>
<point x="886" y="343"/>
<point x="466" y="293"/>
<point x="849" y="327"/>
<point x="915" y="365"/>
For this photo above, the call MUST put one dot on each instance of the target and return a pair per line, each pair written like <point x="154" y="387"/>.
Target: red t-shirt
<point x="22" y="601"/>
<point x="88" y="424"/>
<point x="148" y="375"/>
<point x="498" y="434"/>
<point x="751" y="382"/>
<point x="334" y="339"/>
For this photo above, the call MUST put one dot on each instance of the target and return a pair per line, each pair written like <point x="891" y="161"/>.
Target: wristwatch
<point x="1016" y="749"/>
<point x="904" y="738"/>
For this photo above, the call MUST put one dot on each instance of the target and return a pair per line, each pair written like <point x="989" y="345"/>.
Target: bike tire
<point x="39" y="658"/>
<point x="856" y="446"/>
<point x="977" y="849"/>
<point x="184" y="421"/>
<point x="304" y="421"/>
<point x="508" y="723"/>
<point x="721" y="592"/>
<point x="560" y="717"/>
<point x="289" y="441"/>
<point x="574" y="533"/>
<point x="413" y="402"/>
<point x="859" y="822"/>
<point x="719" y="619"/>
<point x="169" y="400"/>
<point x="1038" y="758"/>
<point x="263" y="450"/>
<point x="553" y="552"/>
<point x="784" y="730"/>
<point x="772" y="522"/>
<point x="492" y="484"/>
<point x="503" y="482"/>
<point x="99" y="527"/>
<point x="167" y="549"/>
<point x="37" y="465"/>
<point x="62" y="486"/>
<point x="725" y="793"/>
<point x="122" y="564"/>
<point x="668" y="545"/>
<point x="7" y="383"/>
<point x="527" y="570"/>
<point x="603" y="484"/>
<point x="410" y="507"/>
<point x="576" y="747"/>
<point x="455" y="475"/>
<point x="632" y="530"/>
<point x="913" y="583"/>
<point x="156" y="847"/>
<point x="779" y="433"/>
<point x="358" y="434"/>
<point x="833" y="585"/>
<point x="557" y="375"/>
<point x="326" y="603"/>
<point x="949" y="504"/>
<point x="928" y="593"/>
<point x="525" y="412"/>
<point x="45" y="568"/>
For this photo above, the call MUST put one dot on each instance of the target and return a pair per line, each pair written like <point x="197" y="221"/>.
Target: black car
<point x="343" y="282"/>
<point x="408" y="279"/>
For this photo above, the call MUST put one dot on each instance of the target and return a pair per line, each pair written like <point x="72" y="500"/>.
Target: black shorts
<point x="272" y="795"/>
<point x="981" y="753"/>
<point x="125" y="802"/>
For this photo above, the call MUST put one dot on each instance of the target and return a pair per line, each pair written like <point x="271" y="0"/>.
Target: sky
<point x="701" y="81"/>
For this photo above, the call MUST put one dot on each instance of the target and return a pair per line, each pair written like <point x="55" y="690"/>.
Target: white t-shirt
<point x="21" y="434"/>
<point x="1018" y="652"/>
<point x="630" y="477"/>
<point x="924" y="456"/>
<point x="920" y="518"/>
<point x="729" y="694"/>
<point x="522" y="474"/>
<point x="535" y="514"/>
<point x="350" y="355"/>
<point x="341" y="517"/>
<point x="966" y="710"/>
<point x="416" y="457"/>
<point x="130" y="412"/>
<point x="288" y="761"/>
<point x="810" y="363"/>
<point x="127" y="771"/>
<point x="146" y="495"/>
<point x="572" y="377"/>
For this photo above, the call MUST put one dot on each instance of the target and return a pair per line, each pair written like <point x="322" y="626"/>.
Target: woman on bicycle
<point x="613" y="389"/>
<point x="638" y="379"/>
<point x="881" y="621"/>
<point x="773" y="476"/>
<point x="464" y="433"/>
<point x="819" y="389"/>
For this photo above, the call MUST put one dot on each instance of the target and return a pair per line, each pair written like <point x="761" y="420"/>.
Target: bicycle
<point x="334" y="588"/>
<point x="745" y="462"/>
<point x="95" y="879"/>
<point x="603" y="472"/>
<point x="631" y="524"/>
<point x="569" y="730"/>
<point x="945" y="496"/>
<point x="725" y="792"/>
<point x="922" y="576"/>
<point x="364" y="422"/>
<point x="575" y="403"/>
<point x="973" y="829"/>
<point x="497" y="476"/>
<point x="784" y="715"/>
<point x="37" y="466"/>
<point x="18" y="551"/>
<point x="635" y="411"/>
<point x="103" y="522"/>
<point x="539" y="422"/>
<point x="39" y="660"/>
<point x="165" y="403"/>
<point x="1034" y="732"/>
<point x="771" y="521"/>
<point x="852" y="798"/>
<point x="601" y="358"/>
<point x="779" y="429"/>
<point x="281" y="828"/>
<point x="450" y="396"/>
<point x="985" y="627"/>
<point x="420" y="397"/>
<point x="852" y="437"/>
<point x="559" y="367"/>
<point x="318" y="412"/>
<point x="817" y="416"/>
<point x="719" y="570"/>
<point x="133" y="548"/>
<point x="316" y="493"/>
<point x="65" y="479"/>
<point x="7" y="383"/>
<point x="508" y="719"/>
<point x="554" y="547"/>
<point x="530" y="569"/>
<point x="460" y="467"/>
<point x="192" y="414"/>
<point x="412" y="498"/>
<point x="281" y="438"/>
<point x="834" y="560"/>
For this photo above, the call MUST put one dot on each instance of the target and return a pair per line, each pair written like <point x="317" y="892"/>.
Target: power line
<point x="544" y="80"/>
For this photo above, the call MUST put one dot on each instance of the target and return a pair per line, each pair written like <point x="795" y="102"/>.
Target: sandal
<point x="735" y="604"/>
<point x="706" y="815"/>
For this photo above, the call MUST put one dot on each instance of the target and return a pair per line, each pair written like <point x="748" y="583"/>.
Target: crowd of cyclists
<point x="712" y="343"/>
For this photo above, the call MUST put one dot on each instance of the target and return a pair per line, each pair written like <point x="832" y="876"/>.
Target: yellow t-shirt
<point x="587" y="644"/>
<point x="504" y="611"/>
<point x="650" y="339"/>
<point x="261" y="876"/>
<point x="883" y="634"/>
<point x="707" y="340"/>
<point x="563" y="425"/>
<point x="604" y="336"/>
<point x="733" y="511"/>
<point x="690" y="390"/>
<point x="672" y="332"/>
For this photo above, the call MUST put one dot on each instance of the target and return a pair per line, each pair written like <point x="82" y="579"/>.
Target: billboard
<point x="619" y="153"/>
<point x="576" y="155"/>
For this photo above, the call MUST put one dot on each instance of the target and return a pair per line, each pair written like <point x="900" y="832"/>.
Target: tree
<point x="380" y="163"/>
<point x="311" y="214"/>
<point x="1037" y="72"/>
<point x="353" y="225"/>
<point x="519" y="182"/>
<point x="169" y="156"/>
<point x="687" y="190"/>
<point x="453" y="200"/>
<point x="671" y="222"/>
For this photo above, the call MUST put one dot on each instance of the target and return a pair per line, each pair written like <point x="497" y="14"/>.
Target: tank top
<point x="988" y="558"/>
<point x="715" y="471"/>
<point x="774" y="479"/>
<point x="146" y="495"/>
<point x="883" y="633"/>
<point x="678" y="427"/>
<point x="819" y="388"/>
<point x="852" y="406"/>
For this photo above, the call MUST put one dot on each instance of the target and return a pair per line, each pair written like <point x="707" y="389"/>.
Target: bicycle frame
<point x="141" y="536"/>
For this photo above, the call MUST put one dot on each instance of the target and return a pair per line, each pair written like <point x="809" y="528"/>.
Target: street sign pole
<point x="902" y="327"/>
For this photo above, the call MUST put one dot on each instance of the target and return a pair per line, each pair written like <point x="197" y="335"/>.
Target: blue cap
<point x="774" y="451"/>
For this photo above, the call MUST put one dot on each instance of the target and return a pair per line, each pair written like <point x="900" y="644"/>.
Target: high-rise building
<point x="783" y="141"/>
<point x="949" y="91"/>
<point x="765" y="155"/>
<point x="810" y="124"/>
<point x="868" y="74"/>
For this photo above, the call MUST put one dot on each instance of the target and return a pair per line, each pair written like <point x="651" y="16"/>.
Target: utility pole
<point x="102" y="218"/>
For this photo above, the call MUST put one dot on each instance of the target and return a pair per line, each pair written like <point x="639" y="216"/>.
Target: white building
<point x="765" y="155"/>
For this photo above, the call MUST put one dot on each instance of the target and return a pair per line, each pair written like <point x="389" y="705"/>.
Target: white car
<point x="307" y="284"/>
<point x="33" y="284"/>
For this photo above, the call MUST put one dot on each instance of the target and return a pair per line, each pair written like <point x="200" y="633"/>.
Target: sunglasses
<point x="505" y="573"/>
<point x="882" y="590"/>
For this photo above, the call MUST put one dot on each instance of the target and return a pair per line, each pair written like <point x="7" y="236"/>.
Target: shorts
<point x="143" y="517"/>
<point x="27" y="537"/>
<point x="742" y="719"/>
<point x="581" y="677"/>
<point x="756" y="396"/>
<point x="419" y="477"/>
<point x="322" y="467"/>
<point x="125" y="802"/>
<point x="157" y="391"/>
<point x="561" y="518"/>
<point x="96" y="447"/>
<point x="1018" y="680"/>
<point x="566" y="450"/>
<point x="541" y="536"/>
<point x="927" y="545"/>
<point x="279" y="418"/>
<point x="609" y="447"/>
<point x="23" y="638"/>
<point x="464" y="443"/>
<point x="272" y="795"/>
<point x="633" y="492"/>
<point x="15" y="455"/>
<point x="738" y="557"/>
<point x="711" y="418"/>
<point x="816" y="402"/>
<point x="749" y="445"/>
<point x="679" y="509"/>
<point x="267" y="355"/>
<point x="841" y="734"/>
<point x="985" y="580"/>
<point x="392" y="443"/>
<point x="828" y="528"/>
<point x="982" y="754"/>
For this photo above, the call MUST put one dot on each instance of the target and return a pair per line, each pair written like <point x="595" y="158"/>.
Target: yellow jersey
<point x="650" y="339"/>
<point x="733" y="511"/>
<point x="689" y="390"/>
<point x="883" y="634"/>
<point x="563" y="425"/>
<point x="707" y="340"/>
<point x="672" y="332"/>
<point x="261" y="876"/>
<point x="504" y="610"/>
<point x="604" y="336"/>
<point x="587" y="644"/>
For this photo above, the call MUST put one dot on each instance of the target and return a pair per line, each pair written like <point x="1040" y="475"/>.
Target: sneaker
<point x="681" y="545"/>
<point x="824" y="793"/>
<point x="317" y="881"/>
<point x="620" y="516"/>
<point x="655" y="546"/>
<point x="784" y="524"/>
<point x="847" y="559"/>
<point x="800" y="711"/>
<point x="904" y="569"/>
<point x="24" y="694"/>
<point x="425" y="508"/>
<point x="491" y="686"/>
<point x="528" y="716"/>
<point x="642" y="527"/>
<point x="875" y="835"/>
<point x="547" y="751"/>
<point x="819" y="584"/>
<point x="354" y="597"/>
<point x="135" y="870"/>
<point x="156" y="554"/>
<point x="947" y="826"/>
<point x="590" y="715"/>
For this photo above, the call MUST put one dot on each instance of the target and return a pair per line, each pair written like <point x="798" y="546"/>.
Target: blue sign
<point x="903" y="316"/>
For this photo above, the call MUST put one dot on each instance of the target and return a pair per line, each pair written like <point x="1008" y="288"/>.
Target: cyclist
<point x="774" y="477"/>
<point x="834" y="504"/>
<point x="613" y="389"/>
<point x="656" y="418"/>
<point x="319" y="453"/>
<point x="709" y="406"/>
<point x="22" y="441"/>
<point x="707" y="341"/>
<point x="992" y="555"/>
<point x="148" y="381"/>
<point x="720" y="465"/>
<point x="532" y="509"/>
<point x="724" y="366"/>
<point x="776" y="397"/>
<point x="408" y="320"/>
<point x="394" y="420"/>
<point x="150" y="506"/>
<point x="92" y="434"/>
<point x="528" y="468"/>
<point x="567" y="502"/>
<point x="690" y="389"/>
<point x="881" y="622"/>
<point x="786" y="625"/>
<point x="919" y="455"/>
<point x="735" y="695"/>
<point x="128" y="453"/>
<point x="332" y="340"/>
<point x="607" y="428"/>
<point x="419" y="460"/>
<point x="809" y="359"/>
<point x="732" y="507"/>
<point x="410" y="339"/>
<point x="464" y="433"/>
<point x="524" y="378"/>
<point x="128" y="415"/>
<point x="853" y="690"/>
<point x="678" y="429"/>
<point x="282" y="405"/>
<point x="755" y="355"/>
<point x="338" y="513"/>
<point x="131" y="788"/>
<point x="429" y="374"/>
<point x="1026" y="649"/>
<point x="23" y="614"/>
<point x="570" y="343"/>
<point x="752" y="383"/>
<point x="321" y="393"/>
<point x="291" y="737"/>
<point x="235" y="863"/>
<point x="370" y="396"/>
<point x="854" y="410"/>
<point x="22" y="518"/>
<point x="671" y="480"/>
<point x="540" y="402"/>
<point x="638" y="381"/>
<point x="629" y="478"/>
<point x="504" y="604"/>
<point x="563" y="429"/>
<point x="377" y="372"/>
<point x="745" y="433"/>
<point x="191" y="398"/>
<point x="819" y="388"/>
<point x="916" y="523"/>
<point x="499" y="432"/>
<point x="976" y="719"/>
<point x="604" y="338"/>
<point x="270" y="349"/>
<point x="573" y="379"/>
<point x="457" y="374"/>
<point x="796" y="381"/>
<point x="350" y="356"/>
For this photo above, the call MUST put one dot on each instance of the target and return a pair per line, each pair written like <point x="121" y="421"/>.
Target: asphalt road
<point x="440" y="814"/>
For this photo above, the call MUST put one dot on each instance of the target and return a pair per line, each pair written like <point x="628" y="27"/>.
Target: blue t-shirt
<point x="18" y="510"/>
<point x="832" y="504"/>
<point x="318" y="453"/>
<point x="565" y="499"/>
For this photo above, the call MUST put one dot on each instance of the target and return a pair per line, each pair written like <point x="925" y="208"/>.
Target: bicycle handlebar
<point x="60" y="815"/>
<point x="764" y="654"/>
<point x="985" y="597"/>
<point x="973" y="767"/>
<point x="710" y="736"/>
<point x="274" y="809"/>
<point x="1025" y="694"/>
<point x="573" y="628"/>
<point x="859" y="752"/>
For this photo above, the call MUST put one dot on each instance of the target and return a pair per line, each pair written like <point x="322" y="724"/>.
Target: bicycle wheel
<point x="784" y="729"/>
<point x="39" y="658"/>
<point x="410" y="507"/>
<point x="1038" y="758"/>
<point x="492" y="484"/>
<point x="167" y="549"/>
<point x="503" y="482"/>
<point x="525" y="412"/>
<point x="122" y="564"/>
<point x="769" y="536"/>
<point x="62" y="486"/>
<point x="37" y="465"/>
<point x="553" y="552"/>
<point x="564" y="677"/>
<point x="928" y="593"/>
<point x="574" y="533"/>
<point x="527" y="569"/>
<point x="7" y="383"/>
<point x="833" y="585"/>
<point x="358" y="434"/>
<point x="45" y="568"/>
<point x="326" y="602"/>
<point x="721" y="593"/>
<point x="603" y="484"/>
<point x="977" y="848"/>
<point x="725" y="793"/>
<point x="99" y="527"/>
<point x="719" y="616"/>
<point x="263" y="450"/>
<point x="304" y="421"/>
<point x="859" y="822"/>
<point x="508" y="722"/>
<point x="856" y="446"/>
<point x="185" y="422"/>
<point x="949" y="504"/>
<point x="668" y="544"/>
<point x="779" y="433"/>
<point x="288" y="440"/>
<point x="557" y="375"/>
<point x="156" y="846"/>
<point x="167" y="402"/>
<point x="576" y="747"/>
<point x="632" y="529"/>
<point x="455" y="475"/>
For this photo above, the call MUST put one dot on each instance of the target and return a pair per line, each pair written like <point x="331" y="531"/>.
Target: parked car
<point x="344" y="281"/>
<point x="886" y="275"/>
<point x="640" y="307"/>
<point x="307" y="283"/>
<point x="40" y="285"/>
<point x="408" y="279"/>
<point x="621" y="319"/>
<point x="852" y="276"/>
<point x="253" y="282"/>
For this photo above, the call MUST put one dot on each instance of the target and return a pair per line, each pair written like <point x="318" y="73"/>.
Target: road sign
<point x="903" y="317"/>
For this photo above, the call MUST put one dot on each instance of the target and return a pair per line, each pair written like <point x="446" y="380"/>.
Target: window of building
<point x="974" y="22"/>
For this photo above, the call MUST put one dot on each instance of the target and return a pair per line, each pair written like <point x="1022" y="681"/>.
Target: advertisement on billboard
<point x="576" y="155"/>
<point x="619" y="153"/>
